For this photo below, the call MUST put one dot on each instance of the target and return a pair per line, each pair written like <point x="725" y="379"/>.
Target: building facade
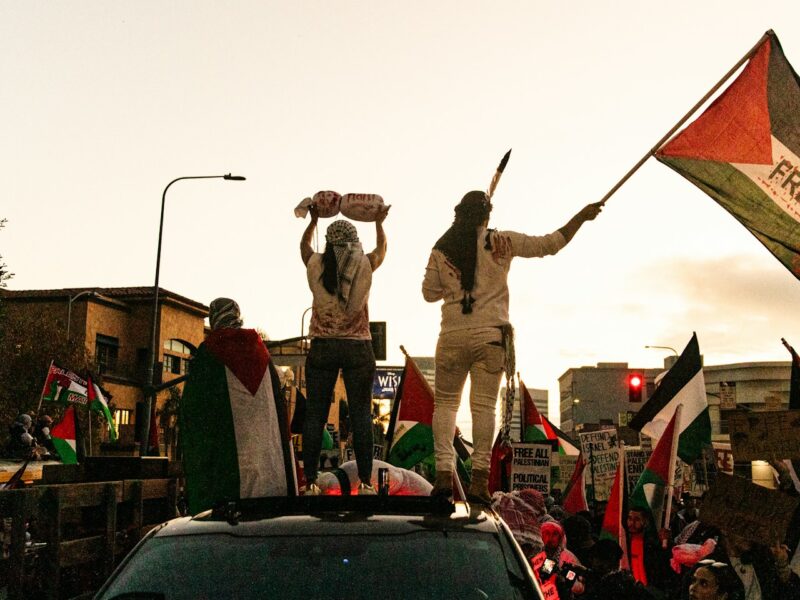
<point x="114" y="326"/>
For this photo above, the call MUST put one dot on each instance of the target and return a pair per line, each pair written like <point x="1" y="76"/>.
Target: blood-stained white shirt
<point x="329" y="319"/>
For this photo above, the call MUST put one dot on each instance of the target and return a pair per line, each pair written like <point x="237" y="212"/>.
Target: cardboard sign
<point x="739" y="507"/>
<point x="566" y="469"/>
<point x="600" y="449"/>
<point x="765" y="435"/>
<point x="635" y="462"/>
<point x="530" y="467"/>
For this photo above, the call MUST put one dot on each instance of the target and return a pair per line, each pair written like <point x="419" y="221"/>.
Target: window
<point x="122" y="416"/>
<point x="172" y="364"/>
<point x="179" y="347"/>
<point x="106" y="352"/>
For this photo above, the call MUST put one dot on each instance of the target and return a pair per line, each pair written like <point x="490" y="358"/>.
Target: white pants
<point x="478" y="353"/>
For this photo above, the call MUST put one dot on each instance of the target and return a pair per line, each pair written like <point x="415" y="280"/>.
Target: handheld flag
<point x="410" y="436"/>
<point x="97" y="401"/>
<point x="683" y="384"/>
<point x="64" y="436"/>
<point x="500" y="466"/>
<point x="649" y="492"/>
<point x="744" y="151"/>
<point x="617" y="511"/>
<point x="575" y="494"/>
<point x="499" y="173"/>
<point x="535" y="427"/>
<point x="64" y="386"/>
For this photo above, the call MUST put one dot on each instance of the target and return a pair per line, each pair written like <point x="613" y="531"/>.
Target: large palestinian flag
<point x="233" y="423"/>
<point x="744" y="151"/>
<point x="410" y="436"/>
<point x="683" y="384"/>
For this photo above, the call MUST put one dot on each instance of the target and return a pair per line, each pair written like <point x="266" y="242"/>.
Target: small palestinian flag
<point x="613" y="527"/>
<point x="233" y="423"/>
<point x="64" y="436"/>
<point x="410" y="436"/>
<point x="744" y="152"/>
<point x="649" y="492"/>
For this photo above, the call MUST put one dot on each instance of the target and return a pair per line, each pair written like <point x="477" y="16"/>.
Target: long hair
<point x="330" y="280"/>
<point x="460" y="243"/>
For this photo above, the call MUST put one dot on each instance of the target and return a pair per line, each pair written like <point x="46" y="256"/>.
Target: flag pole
<point x="395" y="407"/>
<point x="686" y="117"/>
<point x="673" y="457"/>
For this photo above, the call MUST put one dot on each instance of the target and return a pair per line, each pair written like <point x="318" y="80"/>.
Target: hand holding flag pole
<point x="685" y="118"/>
<point x="499" y="173"/>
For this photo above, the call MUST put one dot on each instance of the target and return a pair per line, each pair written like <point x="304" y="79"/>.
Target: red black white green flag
<point x="410" y="436"/>
<point x="233" y="423"/>
<point x="744" y="152"/>
<point x="64" y="436"/>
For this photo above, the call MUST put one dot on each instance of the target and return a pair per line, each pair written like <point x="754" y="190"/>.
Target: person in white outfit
<point x="468" y="270"/>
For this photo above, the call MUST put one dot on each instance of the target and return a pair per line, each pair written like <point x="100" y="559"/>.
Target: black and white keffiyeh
<point x="224" y="313"/>
<point x="342" y="235"/>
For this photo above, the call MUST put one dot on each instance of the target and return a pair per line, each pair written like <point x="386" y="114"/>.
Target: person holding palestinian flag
<point x="340" y="280"/>
<point x="468" y="270"/>
<point x="233" y="419"/>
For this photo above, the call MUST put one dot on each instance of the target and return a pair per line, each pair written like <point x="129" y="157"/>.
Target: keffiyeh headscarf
<point x="343" y="237"/>
<point x="224" y="314"/>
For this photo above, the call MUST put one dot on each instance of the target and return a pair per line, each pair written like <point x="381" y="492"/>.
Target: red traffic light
<point x="635" y="381"/>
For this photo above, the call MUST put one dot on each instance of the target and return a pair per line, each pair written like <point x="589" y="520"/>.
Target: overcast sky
<point x="106" y="102"/>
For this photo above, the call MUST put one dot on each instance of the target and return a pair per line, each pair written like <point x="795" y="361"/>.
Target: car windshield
<point x="424" y="564"/>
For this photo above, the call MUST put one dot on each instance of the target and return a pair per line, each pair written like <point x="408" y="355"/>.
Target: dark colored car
<point x="354" y="548"/>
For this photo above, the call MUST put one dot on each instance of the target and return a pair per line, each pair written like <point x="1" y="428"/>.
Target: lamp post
<point x="69" y="306"/>
<point x="670" y="348"/>
<point x="150" y="394"/>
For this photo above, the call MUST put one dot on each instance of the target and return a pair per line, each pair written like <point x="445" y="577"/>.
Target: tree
<point x="27" y="345"/>
<point x="4" y="273"/>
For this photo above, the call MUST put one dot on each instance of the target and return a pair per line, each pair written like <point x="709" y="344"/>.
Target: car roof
<point x="335" y="515"/>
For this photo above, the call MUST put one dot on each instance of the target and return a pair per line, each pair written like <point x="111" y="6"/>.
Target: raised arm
<point x="306" y="251"/>
<point x="376" y="256"/>
<point x="587" y="213"/>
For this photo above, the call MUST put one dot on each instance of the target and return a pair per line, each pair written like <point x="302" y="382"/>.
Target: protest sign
<point x="635" y="460"/>
<point x="723" y="457"/>
<point x="739" y="507"/>
<point x="765" y="435"/>
<point x="600" y="449"/>
<point x="530" y="467"/>
<point x="566" y="469"/>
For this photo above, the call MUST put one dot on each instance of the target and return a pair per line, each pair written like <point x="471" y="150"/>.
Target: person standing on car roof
<point x="468" y="270"/>
<point x="340" y="280"/>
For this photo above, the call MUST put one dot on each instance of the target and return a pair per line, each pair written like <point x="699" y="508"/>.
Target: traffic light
<point x="635" y="384"/>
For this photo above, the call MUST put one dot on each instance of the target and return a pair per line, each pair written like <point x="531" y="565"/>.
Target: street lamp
<point x="670" y="348"/>
<point x="69" y="306"/>
<point x="151" y="395"/>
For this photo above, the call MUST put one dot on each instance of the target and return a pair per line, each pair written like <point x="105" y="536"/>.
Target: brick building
<point x="114" y="325"/>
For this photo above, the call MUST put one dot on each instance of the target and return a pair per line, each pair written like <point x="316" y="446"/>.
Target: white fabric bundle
<point x="358" y="207"/>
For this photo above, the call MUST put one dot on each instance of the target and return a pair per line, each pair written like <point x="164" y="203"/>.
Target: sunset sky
<point x="104" y="103"/>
